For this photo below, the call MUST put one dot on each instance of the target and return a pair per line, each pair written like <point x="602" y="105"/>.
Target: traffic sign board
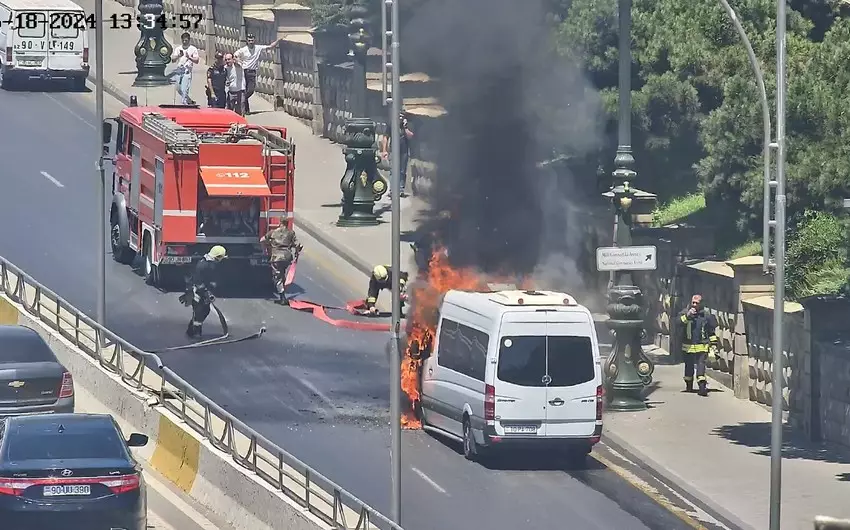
<point x="626" y="258"/>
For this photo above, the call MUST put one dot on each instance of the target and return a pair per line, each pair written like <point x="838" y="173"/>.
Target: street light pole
<point x="395" y="164"/>
<point x="765" y="110"/>
<point x="101" y="174"/>
<point x="778" y="277"/>
<point x="627" y="369"/>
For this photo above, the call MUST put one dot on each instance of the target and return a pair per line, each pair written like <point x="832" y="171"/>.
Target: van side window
<point x="463" y="349"/>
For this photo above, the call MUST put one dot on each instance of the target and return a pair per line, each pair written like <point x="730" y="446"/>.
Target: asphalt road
<point x="320" y="392"/>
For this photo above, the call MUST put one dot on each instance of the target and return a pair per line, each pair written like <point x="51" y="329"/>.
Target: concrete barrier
<point x="182" y="455"/>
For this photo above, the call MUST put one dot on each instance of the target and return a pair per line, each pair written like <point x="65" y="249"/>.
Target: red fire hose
<point x="355" y="307"/>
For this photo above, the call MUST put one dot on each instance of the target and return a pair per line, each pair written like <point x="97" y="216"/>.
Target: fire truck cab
<point x="186" y="179"/>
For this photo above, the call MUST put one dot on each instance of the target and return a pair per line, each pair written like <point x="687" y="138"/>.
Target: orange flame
<point x="422" y="325"/>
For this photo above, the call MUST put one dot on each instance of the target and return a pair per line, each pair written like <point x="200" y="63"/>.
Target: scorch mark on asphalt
<point x="429" y="480"/>
<point x="52" y="179"/>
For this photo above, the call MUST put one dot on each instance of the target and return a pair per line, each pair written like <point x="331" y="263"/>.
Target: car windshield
<point x="24" y="348"/>
<point x="526" y="360"/>
<point x="99" y="443"/>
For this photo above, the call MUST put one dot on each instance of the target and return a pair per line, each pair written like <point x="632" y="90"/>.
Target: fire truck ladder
<point x="178" y="139"/>
<point x="273" y="143"/>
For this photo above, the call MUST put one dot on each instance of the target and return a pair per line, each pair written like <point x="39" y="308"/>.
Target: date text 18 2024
<point x="38" y="20"/>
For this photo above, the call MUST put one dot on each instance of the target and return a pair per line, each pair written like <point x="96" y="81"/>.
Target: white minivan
<point x="45" y="40"/>
<point x="514" y="369"/>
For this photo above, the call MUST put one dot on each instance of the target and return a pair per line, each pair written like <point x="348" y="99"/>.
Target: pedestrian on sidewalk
<point x="235" y="84"/>
<point x="398" y="177"/>
<point x="217" y="83"/>
<point x="699" y="341"/>
<point x="186" y="56"/>
<point x="249" y="56"/>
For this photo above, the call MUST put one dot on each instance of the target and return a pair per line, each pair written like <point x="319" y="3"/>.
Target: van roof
<point x="33" y="5"/>
<point x="498" y="302"/>
<point x="187" y="117"/>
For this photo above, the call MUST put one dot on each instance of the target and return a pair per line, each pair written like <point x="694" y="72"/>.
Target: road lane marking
<point x="649" y="491"/>
<point x="88" y="123"/>
<point x="429" y="480"/>
<point x="312" y="388"/>
<point x="52" y="179"/>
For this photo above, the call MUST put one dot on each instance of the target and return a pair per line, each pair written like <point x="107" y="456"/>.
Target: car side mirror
<point x="137" y="440"/>
<point x="110" y="137"/>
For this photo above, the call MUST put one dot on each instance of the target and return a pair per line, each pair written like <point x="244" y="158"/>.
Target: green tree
<point x="817" y="256"/>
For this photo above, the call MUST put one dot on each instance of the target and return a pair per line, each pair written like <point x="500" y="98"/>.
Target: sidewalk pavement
<point x="319" y="162"/>
<point x="714" y="449"/>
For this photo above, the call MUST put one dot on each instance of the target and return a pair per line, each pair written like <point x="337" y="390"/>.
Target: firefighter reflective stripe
<point x="684" y="319"/>
<point x="688" y="330"/>
<point x="371" y="300"/>
<point x="713" y="339"/>
<point x="689" y="378"/>
<point x="695" y="348"/>
<point x="700" y="378"/>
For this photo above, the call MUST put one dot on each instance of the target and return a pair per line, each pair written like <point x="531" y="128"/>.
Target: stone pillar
<point x="749" y="282"/>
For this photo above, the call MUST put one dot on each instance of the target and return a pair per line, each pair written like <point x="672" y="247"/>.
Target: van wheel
<point x="5" y="81"/>
<point x="148" y="268"/>
<point x="470" y="447"/>
<point x="121" y="251"/>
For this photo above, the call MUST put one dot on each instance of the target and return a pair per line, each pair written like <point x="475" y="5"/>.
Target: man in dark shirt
<point x="216" y="82"/>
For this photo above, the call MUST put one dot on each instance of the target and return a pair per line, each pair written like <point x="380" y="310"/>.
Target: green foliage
<point x="678" y="209"/>
<point x="696" y="110"/>
<point x="817" y="256"/>
<point x="328" y="12"/>
<point x="750" y="248"/>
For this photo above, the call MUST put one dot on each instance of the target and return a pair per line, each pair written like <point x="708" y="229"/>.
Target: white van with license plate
<point x="514" y="369"/>
<point x="43" y="40"/>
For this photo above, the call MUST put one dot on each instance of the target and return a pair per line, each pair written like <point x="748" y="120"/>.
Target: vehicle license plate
<point x="520" y="429"/>
<point x="67" y="490"/>
<point x="29" y="63"/>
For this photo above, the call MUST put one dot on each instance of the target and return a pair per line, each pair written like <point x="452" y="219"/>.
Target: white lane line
<point x="52" y="179"/>
<point x="312" y="388"/>
<point x="88" y="124"/>
<point x="429" y="480"/>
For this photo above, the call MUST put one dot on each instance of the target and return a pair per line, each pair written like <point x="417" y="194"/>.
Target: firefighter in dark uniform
<point x="199" y="289"/>
<point x="283" y="248"/>
<point x="217" y="83"/>
<point x="699" y="341"/>
<point x="382" y="278"/>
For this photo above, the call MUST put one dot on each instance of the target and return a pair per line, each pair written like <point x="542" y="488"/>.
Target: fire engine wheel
<point x="121" y="251"/>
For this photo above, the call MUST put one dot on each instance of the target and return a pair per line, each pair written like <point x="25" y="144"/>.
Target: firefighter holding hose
<point x="382" y="278"/>
<point x="199" y="289"/>
<point x="283" y="247"/>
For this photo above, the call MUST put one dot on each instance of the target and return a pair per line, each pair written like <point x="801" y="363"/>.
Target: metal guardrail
<point x="830" y="523"/>
<point x="143" y="371"/>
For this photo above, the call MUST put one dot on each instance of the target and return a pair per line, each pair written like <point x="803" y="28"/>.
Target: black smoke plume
<point x="512" y="103"/>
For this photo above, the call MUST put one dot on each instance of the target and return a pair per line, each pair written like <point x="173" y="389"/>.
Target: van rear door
<point x="519" y="381"/>
<point x="30" y="41"/>
<point x="66" y="41"/>
<point x="571" y="370"/>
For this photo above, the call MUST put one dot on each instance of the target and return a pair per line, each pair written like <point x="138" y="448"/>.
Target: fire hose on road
<point x="354" y="307"/>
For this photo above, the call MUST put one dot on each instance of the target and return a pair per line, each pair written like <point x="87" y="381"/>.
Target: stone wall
<point x="816" y="339"/>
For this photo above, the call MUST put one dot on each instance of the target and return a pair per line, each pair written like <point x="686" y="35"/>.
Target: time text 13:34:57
<point x="151" y="21"/>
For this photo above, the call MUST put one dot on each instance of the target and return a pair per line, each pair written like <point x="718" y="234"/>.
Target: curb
<point x="319" y="235"/>
<point x="684" y="487"/>
<point x="111" y="89"/>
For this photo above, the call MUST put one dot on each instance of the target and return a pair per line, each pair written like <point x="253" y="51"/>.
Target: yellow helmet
<point x="218" y="252"/>
<point x="380" y="273"/>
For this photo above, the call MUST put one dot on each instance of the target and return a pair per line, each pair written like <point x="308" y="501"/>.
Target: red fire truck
<point x="186" y="179"/>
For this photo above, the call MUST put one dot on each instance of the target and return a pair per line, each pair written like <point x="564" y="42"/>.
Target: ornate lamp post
<point x="627" y="369"/>
<point x="153" y="51"/>
<point x="361" y="184"/>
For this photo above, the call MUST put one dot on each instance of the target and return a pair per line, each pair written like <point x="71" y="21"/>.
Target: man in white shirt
<point x="235" y="84"/>
<point x="249" y="56"/>
<point x="186" y="56"/>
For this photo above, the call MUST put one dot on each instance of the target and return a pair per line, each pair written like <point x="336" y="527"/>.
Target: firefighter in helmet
<point x="382" y="278"/>
<point x="283" y="248"/>
<point x="699" y="341"/>
<point x="199" y="289"/>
